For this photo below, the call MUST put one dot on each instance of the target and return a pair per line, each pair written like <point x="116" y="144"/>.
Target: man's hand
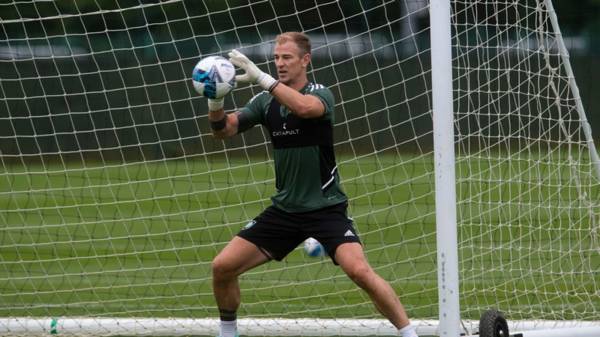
<point x="252" y="73"/>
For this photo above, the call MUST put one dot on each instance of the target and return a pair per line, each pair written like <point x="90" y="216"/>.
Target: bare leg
<point x="351" y="258"/>
<point x="237" y="257"/>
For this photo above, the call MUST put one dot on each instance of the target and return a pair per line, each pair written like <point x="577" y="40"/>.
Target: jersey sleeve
<point x="254" y="112"/>
<point x="326" y="97"/>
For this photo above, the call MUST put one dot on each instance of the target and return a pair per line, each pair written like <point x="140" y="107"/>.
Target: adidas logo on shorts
<point x="349" y="233"/>
<point x="249" y="224"/>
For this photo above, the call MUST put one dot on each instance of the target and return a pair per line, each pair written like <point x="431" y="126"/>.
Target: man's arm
<point x="223" y="125"/>
<point x="303" y="106"/>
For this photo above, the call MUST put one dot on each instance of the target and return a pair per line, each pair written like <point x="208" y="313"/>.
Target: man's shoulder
<point x="324" y="94"/>
<point x="316" y="87"/>
<point x="257" y="103"/>
<point x="319" y="90"/>
<point x="260" y="97"/>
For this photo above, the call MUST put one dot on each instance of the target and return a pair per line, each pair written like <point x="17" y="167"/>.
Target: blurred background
<point x="125" y="66"/>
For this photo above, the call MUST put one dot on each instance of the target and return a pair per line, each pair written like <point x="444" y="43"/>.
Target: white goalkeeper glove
<point x="215" y="104"/>
<point x="252" y="73"/>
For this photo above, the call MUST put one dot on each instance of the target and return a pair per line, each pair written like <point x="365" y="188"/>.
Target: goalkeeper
<point x="309" y="201"/>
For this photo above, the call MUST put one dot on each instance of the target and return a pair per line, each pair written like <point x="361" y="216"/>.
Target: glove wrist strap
<point x="266" y="81"/>
<point x="215" y="104"/>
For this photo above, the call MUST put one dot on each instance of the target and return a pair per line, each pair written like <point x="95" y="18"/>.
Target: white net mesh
<point x="115" y="197"/>
<point x="529" y="210"/>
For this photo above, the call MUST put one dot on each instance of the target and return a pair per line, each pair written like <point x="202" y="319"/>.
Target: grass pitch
<point x="137" y="239"/>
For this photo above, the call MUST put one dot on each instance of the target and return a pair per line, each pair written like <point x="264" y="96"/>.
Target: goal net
<point x="115" y="198"/>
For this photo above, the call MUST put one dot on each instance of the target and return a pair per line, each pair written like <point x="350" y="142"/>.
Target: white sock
<point x="228" y="329"/>
<point x="408" y="331"/>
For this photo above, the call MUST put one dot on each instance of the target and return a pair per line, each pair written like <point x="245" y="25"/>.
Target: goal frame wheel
<point x="493" y="324"/>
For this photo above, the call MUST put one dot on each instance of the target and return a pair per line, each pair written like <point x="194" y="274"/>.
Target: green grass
<point x="137" y="239"/>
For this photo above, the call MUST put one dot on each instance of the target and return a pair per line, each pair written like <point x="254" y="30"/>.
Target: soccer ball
<point x="313" y="248"/>
<point x="213" y="77"/>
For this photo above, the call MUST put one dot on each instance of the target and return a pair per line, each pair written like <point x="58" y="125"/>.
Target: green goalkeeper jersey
<point x="306" y="176"/>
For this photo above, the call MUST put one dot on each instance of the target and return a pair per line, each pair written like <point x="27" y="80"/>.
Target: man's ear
<point x="305" y="60"/>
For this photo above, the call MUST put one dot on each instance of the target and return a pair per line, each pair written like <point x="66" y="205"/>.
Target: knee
<point x="361" y="275"/>
<point x="222" y="269"/>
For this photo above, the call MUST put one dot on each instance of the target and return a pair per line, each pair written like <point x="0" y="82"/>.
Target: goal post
<point x="527" y="75"/>
<point x="443" y="151"/>
<point x="564" y="56"/>
<point x="461" y="141"/>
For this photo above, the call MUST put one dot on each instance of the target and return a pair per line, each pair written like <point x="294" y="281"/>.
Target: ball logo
<point x="213" y="77"/>
<point x="209" y="78"/>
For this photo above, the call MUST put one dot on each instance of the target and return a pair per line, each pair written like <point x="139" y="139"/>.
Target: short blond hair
<point x="300" y="39"/>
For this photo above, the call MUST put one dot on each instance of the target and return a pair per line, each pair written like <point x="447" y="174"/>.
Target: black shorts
<point x="276" y="233"/>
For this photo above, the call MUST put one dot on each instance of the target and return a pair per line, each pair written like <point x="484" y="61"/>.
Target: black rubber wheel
<point x="493" y="324"/>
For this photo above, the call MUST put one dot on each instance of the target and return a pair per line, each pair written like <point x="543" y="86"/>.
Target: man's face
<point x="291" y="67"/>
